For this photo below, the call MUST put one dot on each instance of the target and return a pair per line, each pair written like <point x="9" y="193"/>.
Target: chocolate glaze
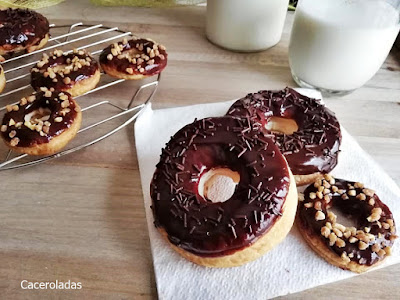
<point x="38" y="79"/>
<point x="356" y="209"/>
<point x="216" y="229"/>
<point x="21" y="27"/>
<point x="315" y="146"/>
<point x="29" y="137"/>
<point x="122" y="64"/>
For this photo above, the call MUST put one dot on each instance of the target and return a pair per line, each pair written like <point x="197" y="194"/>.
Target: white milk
<point x="245" y="25"/>
<point x="339" y="45"/>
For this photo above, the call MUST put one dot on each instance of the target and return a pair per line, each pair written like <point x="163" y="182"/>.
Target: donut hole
<point x="282" y="125"/>
<point x="40" y="114"/>
<point x="218" y="184"/>
<point x="346" y="220"/>
<point x="349" y="212"/>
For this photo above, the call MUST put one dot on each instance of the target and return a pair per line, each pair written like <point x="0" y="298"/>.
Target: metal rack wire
<point x="77" y="36"/>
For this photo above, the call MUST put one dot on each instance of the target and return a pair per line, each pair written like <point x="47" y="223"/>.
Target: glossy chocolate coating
<point x="216" y="229"/>
<point x="122" y="64"/>
<point x="21" y="27"/>
<point x="29" y="137"/>
<point x="38" y="79"/>
<point x="356" y="209"/>
<point x="314" y="147"/>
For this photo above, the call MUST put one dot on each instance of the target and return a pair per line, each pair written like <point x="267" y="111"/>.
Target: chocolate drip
<point x="215" y="229"/>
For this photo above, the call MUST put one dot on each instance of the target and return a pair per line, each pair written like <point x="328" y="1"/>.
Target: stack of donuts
<point x="224" y="191"/>
<point x="46" y="121"/>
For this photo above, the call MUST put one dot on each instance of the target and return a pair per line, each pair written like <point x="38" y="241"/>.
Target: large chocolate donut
<point x="252" y="220"/>
<point x="42" y="123"/>
<point x="134" y="59"/>
<point x="22" y="29"/>
<point x="355" y="249"/>
<point x="313" y="148"/>
<point x="75" y="72"/>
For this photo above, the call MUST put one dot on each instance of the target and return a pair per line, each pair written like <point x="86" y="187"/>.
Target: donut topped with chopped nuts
<point x="133" y="59"/>
<point x="356" y="246"/>
<point x="219" y="186"/>
<point x="38" y="119"/>
<point x="75" y="72"/>
<point x="22" y="29"/>
<point x="307" y="133"/>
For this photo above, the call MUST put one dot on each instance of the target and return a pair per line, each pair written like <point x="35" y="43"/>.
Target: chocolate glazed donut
<point x="42" y="123"/>
<point x="134" y="59"/>
<point x="203" y="221"/>
<point x="22" y="29"/>
<point x="351" y="248"/>
<point x="307" y="133"/>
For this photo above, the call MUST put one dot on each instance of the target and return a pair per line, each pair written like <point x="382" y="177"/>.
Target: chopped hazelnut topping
<point x="362" y="245"/>
<point x="65" y="103"/>
<point x="14" y="142"/>
<point x="317" y="205"/>
<point x="340" y="227"/>
<point x="11" y="122"/>
<point x="23" y="101"/>
<point x="67" y="80"/>
<point x="367" y="229"/>
<point x="340" y="243"/>
<point x="129" y="70"/>
<point x="345" y="257"/>
<point x="327" y="198"/>
<point x="385" y="225"/>
<point x="15" y="107"/>
<point x="352" y="193"/>
<point x="332" y="217"/>
<point x="375" y="247"/>
<point x="9" y="108"/>
<point x="388" y="250"/>
<point x="308" y="205"/>
<point x="12" y="133"/>
<point x="47" y="94"/>
<point x="381" y="253"/>
<point x="361" y="197"/>
<point x="335" y="188"/>
<point x="31" y="98"/>
<point x="58" y="119"/>
<point x="358" y="185"/>
<point x="371" y="201"/>
<point x="319" y="195"/>
<point x="369" y="192"/>
<point x="337" y="232"/>
<point x="312" y="195"/>
<point x="347" y="234"/>
<point x="301" y="197"/>
<point x="325" y="231"/>
<point x="344" y="197"/>
<point x="353" y="239"/>
<point x="329" y="225"/>
<point x="141" y="70"/>
<point x="332" y="239"/>
<point x="390" y="222"/>
<point x="4" y="128"/>
<point x="319" y="215"/>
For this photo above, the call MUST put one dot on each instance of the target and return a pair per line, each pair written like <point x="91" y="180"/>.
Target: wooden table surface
<point x="81" y="218"/>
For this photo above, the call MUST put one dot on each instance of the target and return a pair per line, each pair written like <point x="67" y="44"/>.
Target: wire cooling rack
<point x="113" y="115"/>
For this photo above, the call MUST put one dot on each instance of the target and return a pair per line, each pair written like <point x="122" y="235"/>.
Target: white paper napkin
<point x="291" y="266"/>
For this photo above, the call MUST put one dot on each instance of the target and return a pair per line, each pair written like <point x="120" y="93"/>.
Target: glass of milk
<point x="245" y="25"/>
<point x="336" y="46"/>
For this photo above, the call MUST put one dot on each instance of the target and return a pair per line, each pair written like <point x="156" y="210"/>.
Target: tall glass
<point x="336" y="46"/>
